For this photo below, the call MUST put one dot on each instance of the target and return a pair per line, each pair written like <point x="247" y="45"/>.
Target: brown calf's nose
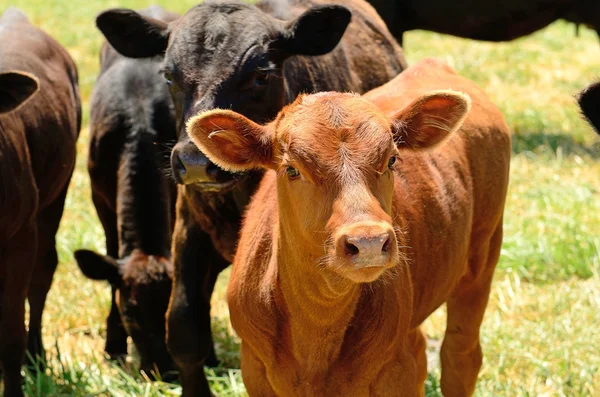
<point x="368" y="248"/>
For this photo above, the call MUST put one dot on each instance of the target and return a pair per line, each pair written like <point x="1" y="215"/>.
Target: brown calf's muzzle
<point x="364" y="250"/>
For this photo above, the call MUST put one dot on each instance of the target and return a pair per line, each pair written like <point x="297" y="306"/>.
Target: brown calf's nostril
<point x="351" y="249"/>
<point x="386" y="245"/>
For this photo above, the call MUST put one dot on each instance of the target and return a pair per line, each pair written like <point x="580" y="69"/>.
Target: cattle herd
<point x="353" y="194"/>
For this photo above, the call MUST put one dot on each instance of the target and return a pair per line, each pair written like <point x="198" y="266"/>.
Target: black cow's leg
<point x="47" y="260"/>
<point x="209" y="285"/>
<point x="189" y="336"/>
<point x="116" y="336"/>
<point x="19" y="261"/>
<point x="194" y="382"/>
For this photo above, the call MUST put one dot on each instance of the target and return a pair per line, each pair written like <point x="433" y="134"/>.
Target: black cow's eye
<point x="258" y="79"/>
<point x="292" y="172"/>
<point x="391" y="162"/>
<point x="261" y="78"/>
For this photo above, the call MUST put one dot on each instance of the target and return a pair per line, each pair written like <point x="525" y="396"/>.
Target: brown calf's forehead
<point x="332" y="133"/>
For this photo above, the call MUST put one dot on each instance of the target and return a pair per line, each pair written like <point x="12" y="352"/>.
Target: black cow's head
<point x="15" y="89"/>
<point x="143" y="284"/>
<point x="222" y="55"/>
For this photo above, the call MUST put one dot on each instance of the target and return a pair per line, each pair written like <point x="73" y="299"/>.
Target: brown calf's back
<point x="475" y="160"/>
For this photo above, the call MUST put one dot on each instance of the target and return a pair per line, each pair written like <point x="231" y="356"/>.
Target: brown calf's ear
<point x="430" y="120"/>
<point x="231" y="141"/>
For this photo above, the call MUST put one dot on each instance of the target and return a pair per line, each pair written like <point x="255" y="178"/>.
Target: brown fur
<point x="317" y="320"/>
<point x="37" y="156"/>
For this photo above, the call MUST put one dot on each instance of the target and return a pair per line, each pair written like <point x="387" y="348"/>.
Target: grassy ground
<point x="540" y="335"/>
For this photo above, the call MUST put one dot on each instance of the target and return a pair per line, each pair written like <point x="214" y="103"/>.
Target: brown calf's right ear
<point x="15" y="89"/>
<point x="133" y="35"/>
<point x="231" y="141"/>
<point x="430" y="120"/>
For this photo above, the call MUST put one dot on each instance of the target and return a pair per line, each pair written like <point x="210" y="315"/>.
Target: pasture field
<point x="540" y="335"/>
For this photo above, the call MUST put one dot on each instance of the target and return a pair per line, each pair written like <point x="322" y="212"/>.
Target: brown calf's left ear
<point x="430" y="120"/>
<point x="231" y="141"/>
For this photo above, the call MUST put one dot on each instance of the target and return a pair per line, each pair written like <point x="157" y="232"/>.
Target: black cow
<point x="253" y="59"/>
<point x="491" y="20"/>
<point x="37" y="158"/>
<point x="131" y="111"/>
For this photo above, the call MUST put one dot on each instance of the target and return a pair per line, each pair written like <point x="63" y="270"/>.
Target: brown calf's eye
<point x="292" y="172"/>
<point x="391" y="162"/>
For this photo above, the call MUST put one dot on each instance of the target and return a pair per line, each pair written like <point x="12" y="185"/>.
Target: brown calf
<point x="358" y="233"/>
<point x="37" y="156"/>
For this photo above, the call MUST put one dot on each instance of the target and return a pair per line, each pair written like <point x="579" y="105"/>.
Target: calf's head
<point x="335" y="156"/>
<point x="143" y="284"/>
<point x="15" y="89"/>
<point x="222" y="55"/>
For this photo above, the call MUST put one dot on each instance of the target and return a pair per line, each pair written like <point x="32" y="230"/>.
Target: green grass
<point x="540" y="336"/>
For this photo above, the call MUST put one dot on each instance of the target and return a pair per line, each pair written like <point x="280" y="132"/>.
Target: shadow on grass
<point x="540" y="142"/>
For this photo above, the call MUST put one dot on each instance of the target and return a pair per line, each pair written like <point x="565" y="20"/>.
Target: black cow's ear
<point x="589" y="102"/>
<point x="15" y="89"/>
<point x="98" y="267"/>
<point x="316" y="32"/>
<point x="133" y="35"/>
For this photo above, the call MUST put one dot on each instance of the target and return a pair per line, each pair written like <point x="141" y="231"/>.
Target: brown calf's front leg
<point x="418" y="345"/>
<point x="18" y="261"/>
<point x="254" y="374"/>
<point x="461" y="355"/>
<point x="399" y="378"/>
